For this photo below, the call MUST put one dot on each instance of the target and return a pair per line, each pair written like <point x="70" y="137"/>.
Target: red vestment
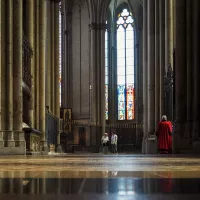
<point x="164" y="135"/>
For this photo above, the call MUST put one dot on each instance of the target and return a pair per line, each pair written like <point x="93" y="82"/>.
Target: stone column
<point x="17" y="73"/>
<point x="9" y="73"/>
<point x="1" y="133"/>
<point x="189" y="68"/>
<point x="31" y="38"/>
<point x="93" y="74"/>
<point x="162" y="55"/>
<point x="48" y="58"/>
<point x="37" y="63"/>
<point x="151" y="65"/>
<point x="157" y="63"/>
<point x="98" y="78"/>
<point x="167" y="61"/>
<point x="2" y="72"/>
<point x="196" y="71"/>
<point x="42" y="65"/>
<point x="145" y="77"/>
<point x="102" y="80"/>
<point x="180" y="74"/>
<point x="52" y="58"/>
<point x="57" y="73"/>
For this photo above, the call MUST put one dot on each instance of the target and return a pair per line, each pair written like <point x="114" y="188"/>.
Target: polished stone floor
<point x="93" y="176"/>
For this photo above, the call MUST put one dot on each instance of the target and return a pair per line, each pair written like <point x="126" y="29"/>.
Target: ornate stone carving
<point x="27" y="54"/>
<point x="97" y="26"/>
<point x="168" y="79"/>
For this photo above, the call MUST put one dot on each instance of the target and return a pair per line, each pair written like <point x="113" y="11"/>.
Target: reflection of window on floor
<point x="124" y="40"/>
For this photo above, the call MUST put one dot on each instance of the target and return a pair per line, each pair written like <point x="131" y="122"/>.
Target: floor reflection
<point x="119" y="186"/>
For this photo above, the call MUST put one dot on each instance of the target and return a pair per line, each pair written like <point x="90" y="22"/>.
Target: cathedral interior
<point x="72" y="70"/>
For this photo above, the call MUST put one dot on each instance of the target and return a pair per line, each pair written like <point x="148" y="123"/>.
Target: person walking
<point x="114" y="142"/>
<point x="105" y="143"/>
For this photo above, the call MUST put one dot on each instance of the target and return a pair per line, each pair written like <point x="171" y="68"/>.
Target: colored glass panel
<point x="125" y="65"/>
<point x="121" y="102"/>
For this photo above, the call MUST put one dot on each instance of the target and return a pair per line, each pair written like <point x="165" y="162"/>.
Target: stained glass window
<point x="106" y="75"/>
<point x="125" y="65"/>
<point x="60" y="50"/>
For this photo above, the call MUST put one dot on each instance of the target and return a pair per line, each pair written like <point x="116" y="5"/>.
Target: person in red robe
<point x="164" y="135"/>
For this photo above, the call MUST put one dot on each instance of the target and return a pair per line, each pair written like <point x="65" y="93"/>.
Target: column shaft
<point x="48" y="57"/>
<point x="17" y="69"/>
<point x="57" y="70"/>
<point x="30" y="27"/>
<point x="42" y="64"/>
<point x="102" y="80"/>
<point x="52" y="58"/>
<point x="180" y="73"/>
<point x="2" y="71"/>
<point x="145" y="77"/>
<point x="162" y="55"/>
<point x="167" y="52"/>
<point x="170" y="30"/>
<point x="196" y="71"/>
<point x="37" y="63"/>
<point x="157" y="63"/>
<point x="1" y="133"/>
<point x="151" y="65"/>
<point x="189" y="68"/>
<point x="9" y="72"/>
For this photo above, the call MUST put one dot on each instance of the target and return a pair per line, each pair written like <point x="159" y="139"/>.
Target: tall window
<point x="125" y="65"/>
<point x="106" y="75"/>
<point x="60" y="49"/>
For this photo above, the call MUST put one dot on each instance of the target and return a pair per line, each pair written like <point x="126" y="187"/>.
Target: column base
<point x="43" y="147"/>
<point x="10" y="143"/>
<point x="18" y="149"/>
<point x="2" y="143"/>
<point x="176" y="138"/>
<point x="189" y="129"/>
<point x="59" y="148"/>
<point x="196" y="146"/>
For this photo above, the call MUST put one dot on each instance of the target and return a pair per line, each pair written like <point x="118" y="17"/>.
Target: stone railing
<point x="27" y="54"/>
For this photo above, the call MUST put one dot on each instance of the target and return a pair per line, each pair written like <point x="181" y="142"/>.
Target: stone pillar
<point x="145" y="77"/>
<point x="48" y="58"/>
<point x="52" y="58"/>
<point x="57" y="72"/>
<point x="17" y="74"/>
<point x="37" y="63"/>
<point x="1" y="133"/>
<point x="196" y="71"/>
<point x="98" y="78"/>
<point x="151" y="65"/>
<point x="9" y="73"/>
<point x="180" y="74"/>
<point x="170" y="30"/>
<point x="189" y="68"/>
<point x="2" y="72"/>
<point x="42" y="65"/>
<point x="157" y="64"/>
<point x="102" y="79"/>
<point x="167" y="52"/>
<point x="162" y="55"/>
<point x="31" y="38"/>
